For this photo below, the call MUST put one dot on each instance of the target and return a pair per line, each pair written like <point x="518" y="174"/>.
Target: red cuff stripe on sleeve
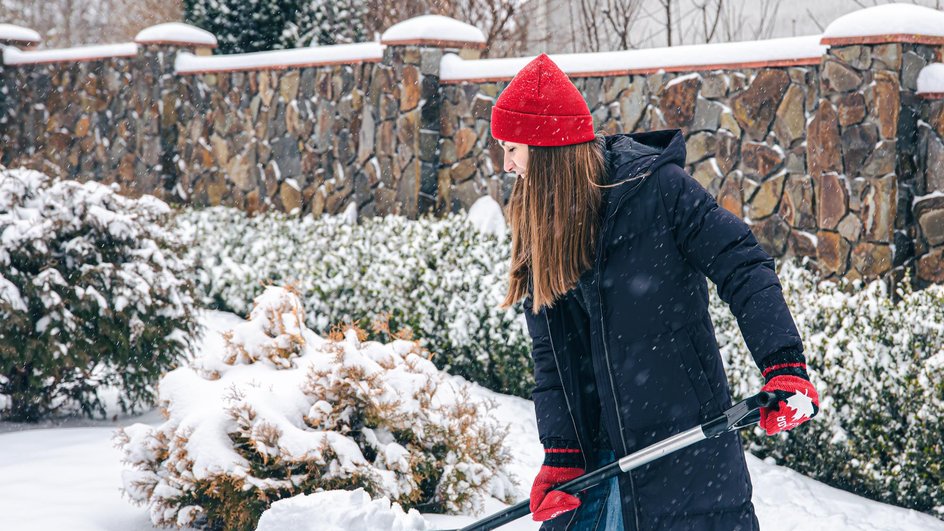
<point x="562" y="451"/>
<point x="783" y="366"/>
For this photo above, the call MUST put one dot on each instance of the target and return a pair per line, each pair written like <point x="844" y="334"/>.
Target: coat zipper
<point x="606" y="352"/>
<point x="570" y="411"/>
<point x="619" y="417"/>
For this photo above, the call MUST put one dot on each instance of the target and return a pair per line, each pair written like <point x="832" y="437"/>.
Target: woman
<point x="612" y="242"/>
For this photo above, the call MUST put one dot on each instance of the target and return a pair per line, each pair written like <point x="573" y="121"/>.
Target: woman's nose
<point x="509" y="165"/>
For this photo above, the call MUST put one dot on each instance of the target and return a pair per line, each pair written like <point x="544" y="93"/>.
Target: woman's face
<point x="516" y="157"/>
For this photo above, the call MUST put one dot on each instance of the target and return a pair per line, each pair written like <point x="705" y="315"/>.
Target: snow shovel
<point x="741" y="415"/>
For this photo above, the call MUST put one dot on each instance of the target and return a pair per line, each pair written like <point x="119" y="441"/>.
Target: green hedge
<point x="877" y="365"/>
<point x="439" y="279"/>
<point x="92" y="295"/>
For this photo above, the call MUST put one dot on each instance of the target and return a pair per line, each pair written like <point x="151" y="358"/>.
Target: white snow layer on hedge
<point x="888" y="19"/>
<point x="175" y="32"/>
<point x="281" y="410"/>
<point x="339" y="510"/>
<point x="433" y="27"/>
<point x="188" y="63"/>
<point x="454" y="68"/>
<point x="931" y="79"/>
<point x="14" y="56"/>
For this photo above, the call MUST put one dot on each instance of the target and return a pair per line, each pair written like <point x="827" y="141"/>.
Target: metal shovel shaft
<point x="741" y="415"/>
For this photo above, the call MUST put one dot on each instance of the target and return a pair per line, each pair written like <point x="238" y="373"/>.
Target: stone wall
<point x="854" y="138"/>
<point x="835" y="158"/>
<point x="94" y="120"/>
<point x="314" y="138"/>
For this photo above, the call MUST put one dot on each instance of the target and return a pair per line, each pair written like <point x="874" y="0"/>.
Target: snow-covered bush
<point x="439" y="279"/>
<point x="93" y="294"/>
<point x="282" y="411"/>
<point x="879" y="368"/>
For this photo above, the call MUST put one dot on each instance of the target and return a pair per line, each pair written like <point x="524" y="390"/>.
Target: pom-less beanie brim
<point x="542" y="107"/>
<point x="541" y="129"/>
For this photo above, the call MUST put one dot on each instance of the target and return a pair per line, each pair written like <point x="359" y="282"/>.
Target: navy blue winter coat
<point x="629" y="357"/>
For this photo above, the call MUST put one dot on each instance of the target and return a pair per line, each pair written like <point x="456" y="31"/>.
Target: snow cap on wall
<point x="14" y="56"/>
<point x="931" y="81"/>
<point x="19" y="34"/>
<point x="362" y="52"/>
<point x="176" y="33"/>
<point x="887" y="23"/>
<point x="435" y="30"/>
<point x="789" y="51"/>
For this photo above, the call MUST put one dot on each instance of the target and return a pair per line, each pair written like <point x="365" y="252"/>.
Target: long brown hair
<point x="554" y="216"/>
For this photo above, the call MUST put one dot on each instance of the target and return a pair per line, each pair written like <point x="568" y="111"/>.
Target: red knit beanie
<point x="541" y="107"/>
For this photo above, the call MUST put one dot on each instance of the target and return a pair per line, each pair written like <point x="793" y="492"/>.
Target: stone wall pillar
<point x="861" y="149"/>
<point x="927" y="209"/>
<point x="152" y="167"/>
<point x="414" y="50"/>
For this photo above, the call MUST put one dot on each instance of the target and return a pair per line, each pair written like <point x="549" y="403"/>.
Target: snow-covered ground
<point x="67" y="476"/>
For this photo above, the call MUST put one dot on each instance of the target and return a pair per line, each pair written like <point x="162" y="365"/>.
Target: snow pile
<point x="14" y="33"/>
<point x="888" y="19"/>
<point x="454" y="68"/>
<point x="931" y="79"/>
<point x="486" y="214"/>
<point x="877" y="367"/>
<point x="92" y="294"/>
<point x="441" y="279"/>
<point x="175" y="32"/>
<point x="281" y="411"/>
<point x="188" y="63"/>
<point x="339" y="510"/>
<point x="14" y="56"/>
<point x="434" y="28"/>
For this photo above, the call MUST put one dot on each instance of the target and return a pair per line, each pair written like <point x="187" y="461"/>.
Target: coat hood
<point x="631" y="157"/>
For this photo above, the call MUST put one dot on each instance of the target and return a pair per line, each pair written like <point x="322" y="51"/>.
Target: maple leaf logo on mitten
<point x="801" y="404"/>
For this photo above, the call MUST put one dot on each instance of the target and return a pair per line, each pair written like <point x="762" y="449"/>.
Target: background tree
<point x="244" y="26"/>
<point x="333" y="22"/>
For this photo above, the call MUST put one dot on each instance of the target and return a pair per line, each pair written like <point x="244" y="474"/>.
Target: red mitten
<point x="563" y="462"/>
<point x="797" y="401"/>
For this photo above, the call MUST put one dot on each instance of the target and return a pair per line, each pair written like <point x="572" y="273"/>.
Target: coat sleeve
<point x="723" y="248"/>
<point x="550" y="405"/>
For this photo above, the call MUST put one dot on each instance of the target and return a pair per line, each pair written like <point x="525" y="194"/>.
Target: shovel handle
<point x="744" y="414"/>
